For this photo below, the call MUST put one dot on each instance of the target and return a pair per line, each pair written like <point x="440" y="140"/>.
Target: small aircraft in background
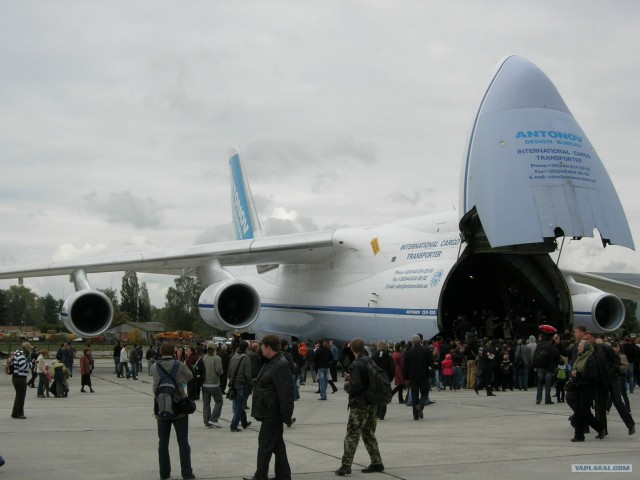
<point x="530" y="176"/>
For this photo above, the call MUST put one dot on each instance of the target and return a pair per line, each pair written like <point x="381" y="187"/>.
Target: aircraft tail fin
<point x="245" y="217"/>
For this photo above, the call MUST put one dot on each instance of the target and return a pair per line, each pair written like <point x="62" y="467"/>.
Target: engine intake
<point x="87" y="313"/>
<point x="600" y="313"/>
<point x="230" y="304"/>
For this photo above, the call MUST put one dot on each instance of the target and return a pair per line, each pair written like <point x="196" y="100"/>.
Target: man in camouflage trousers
<point x="363" y="417"/>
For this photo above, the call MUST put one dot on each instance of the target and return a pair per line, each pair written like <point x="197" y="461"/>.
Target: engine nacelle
<point x="87" y="313"/>
<point x="229" y="304"/>
<point x="600" y="312"/>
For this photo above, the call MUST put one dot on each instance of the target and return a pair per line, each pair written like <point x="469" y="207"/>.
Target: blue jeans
<point x="239" y="413"/>
<point x="296" y="387"/>
<point x="132" y="372"/>
<point x="419" y="394"/>
<point x="436" y="379"/>
<point x="41" y="381"/>
<point x="523" y="378"/>
<point x="544" y="377"/>
<point x="631" y="378"/>
<point x="181" y="426"/>
<point x="322" y="380"/>
<point x="457" y="377"/>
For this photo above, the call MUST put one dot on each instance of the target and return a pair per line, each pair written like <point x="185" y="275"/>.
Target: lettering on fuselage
<point x="555" y="162"/>
<point x="410" y="278"/>
<point x="241" y="219"/>
<point x="414" y="256"/>
<point x="428" y="246"/>
<point x="432" y="312"/>
<point x="533" y="137"/>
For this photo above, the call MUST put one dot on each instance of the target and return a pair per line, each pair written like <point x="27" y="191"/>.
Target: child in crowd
<point x="47" y="379"/>
<point x="560" y="376"/>
<point x="506" y="370"/>
<point x="447" y="371"/>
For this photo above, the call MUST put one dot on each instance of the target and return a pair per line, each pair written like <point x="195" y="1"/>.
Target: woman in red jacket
<point x="86" y="366"/>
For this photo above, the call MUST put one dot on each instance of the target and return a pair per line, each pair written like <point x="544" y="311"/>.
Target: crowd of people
<point x="590" y="374"/>
<point x="30" y="364"/>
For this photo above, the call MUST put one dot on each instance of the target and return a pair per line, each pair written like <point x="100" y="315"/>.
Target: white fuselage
<point x="388" y="295"/>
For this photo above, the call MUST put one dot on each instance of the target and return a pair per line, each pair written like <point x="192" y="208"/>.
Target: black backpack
<point x="58" y="373"/>
<point x="166" y="403"/>
<point x="378" y="392"/>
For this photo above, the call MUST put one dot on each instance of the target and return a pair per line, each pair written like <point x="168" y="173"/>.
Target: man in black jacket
<point x="273" y="406"/>
<point x="545" y="360"/>
<point x="607" y="374"/>
<point x="417" y="363"/>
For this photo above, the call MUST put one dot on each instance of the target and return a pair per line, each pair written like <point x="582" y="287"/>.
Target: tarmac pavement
<point x="111" y="434"/>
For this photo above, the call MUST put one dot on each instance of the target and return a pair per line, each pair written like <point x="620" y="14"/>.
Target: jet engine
<point x="87" y="313"/>
<point x="600" y="312"/>
<point x="229" y="304"/>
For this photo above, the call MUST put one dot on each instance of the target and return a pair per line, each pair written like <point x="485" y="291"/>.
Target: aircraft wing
<point x="621" y="289"/>
<point x="301" y="248"/>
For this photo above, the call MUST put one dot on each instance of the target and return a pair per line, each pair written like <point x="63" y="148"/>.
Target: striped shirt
<point x="21" y="364"/>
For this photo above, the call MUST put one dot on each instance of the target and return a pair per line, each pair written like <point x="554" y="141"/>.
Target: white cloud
<point x="67" y="251"/>
<point x="125" y="208"/>
<point x="117" y="116"/>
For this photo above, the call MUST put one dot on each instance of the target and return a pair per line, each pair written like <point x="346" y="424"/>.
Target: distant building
<point x="148" y="330"/>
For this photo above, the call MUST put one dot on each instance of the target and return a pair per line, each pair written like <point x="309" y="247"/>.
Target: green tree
<point x="158" y="314"/>
<point x="630" y="323"/>
<point x="50" y="309"/>
<point x="4" y="307"/>
<point x="120" y="317"/>
<point x="22" y="307"/>
<point x="182" y="303"/>
<point x="130" y="296"/>
<point x="112" y="294"/>
<point x="144" y="304"/>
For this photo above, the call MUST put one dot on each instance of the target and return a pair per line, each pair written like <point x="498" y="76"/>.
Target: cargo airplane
<point x="530" y="177"/>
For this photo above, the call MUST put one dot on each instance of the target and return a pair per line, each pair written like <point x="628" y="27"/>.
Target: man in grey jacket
<point x="212" y="364"/>
<point x="180" y="422"/>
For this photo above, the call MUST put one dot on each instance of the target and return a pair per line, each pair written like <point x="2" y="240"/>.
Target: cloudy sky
<point x="116" y="117"/>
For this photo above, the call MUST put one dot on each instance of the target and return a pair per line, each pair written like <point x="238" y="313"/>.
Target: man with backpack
<point x="363" y="416"/>
<point x="19" y="369"/>
<point x="170" y="373"/>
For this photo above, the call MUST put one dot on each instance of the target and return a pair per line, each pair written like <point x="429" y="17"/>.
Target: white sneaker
<point x="215" y="424"/>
